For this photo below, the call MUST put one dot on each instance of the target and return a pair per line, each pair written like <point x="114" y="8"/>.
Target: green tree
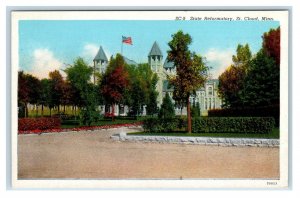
<point x="167" y="108"/>
<point x="191" y="72"/>
<point x="243" y="55"/>
<point x="261" y="86"/>
<point x="67" y="95"/>
<point x="45" y="97"/>
<point x="253" y="81"/>
<point x="79" y="76"/>
<point x="152" y="108"/>
<point x="57" y="86"/>
<point x="142" y="89"/>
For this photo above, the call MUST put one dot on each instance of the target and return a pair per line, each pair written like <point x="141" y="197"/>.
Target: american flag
<point x="127" y="40"/>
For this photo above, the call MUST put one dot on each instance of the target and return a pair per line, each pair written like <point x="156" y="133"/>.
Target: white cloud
<point x="44" y="62"/>
<point x="218" y="60"/>
<point x="90" y="50"/>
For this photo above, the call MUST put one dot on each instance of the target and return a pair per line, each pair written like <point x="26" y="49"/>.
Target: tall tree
<point x="253" y="81"/>
<point x="142" y="89"/>
<point x="67" y="95"/>
<point x="191" y="72"/>
<point x="79" y="76"/>
<point x="57" y="86"/>
<point x="231" y="81"/>
<point x="152" y="108"/>
<point x="243" y="55"/>
<point x="114" y="82"/>
<point x="29" y="88"/>
<point x="271" y="44"/>
<point x="230" y="86"/>
<point x="261" y="86"/>
<point x="45" y="99"/>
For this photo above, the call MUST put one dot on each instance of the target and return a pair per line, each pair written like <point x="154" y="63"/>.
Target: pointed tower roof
<point x="100" y="55"/>
<point x="155" y="50"/>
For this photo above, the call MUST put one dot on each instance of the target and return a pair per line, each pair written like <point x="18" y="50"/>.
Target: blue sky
<point x="45" y="45"/>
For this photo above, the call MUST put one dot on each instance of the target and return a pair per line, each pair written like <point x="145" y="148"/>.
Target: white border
<point x="281" y="16"/>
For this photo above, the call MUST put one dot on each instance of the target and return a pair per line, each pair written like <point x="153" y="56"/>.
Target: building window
<point x="210" y="93"/>
<point x="107" y="108"/>
<point x="122" y="109"/>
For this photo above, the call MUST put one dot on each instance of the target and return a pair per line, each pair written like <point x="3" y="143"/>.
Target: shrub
<point x="233" y="124"/>
<point x="163" y="125"/>
<point x="195" y="110"/>
<point x="266" y="111"/>
<point x="88" y="115"/>
<point x="26" y="124"/>
<point x="167" y="108"/>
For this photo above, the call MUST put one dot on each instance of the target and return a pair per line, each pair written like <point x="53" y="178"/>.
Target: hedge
<point x="233" y="125"/>
<point x="164" y="125"/>
<point x="265" y="111"/>
<point x="260" y="125"/>
<point x="25" y="124"/>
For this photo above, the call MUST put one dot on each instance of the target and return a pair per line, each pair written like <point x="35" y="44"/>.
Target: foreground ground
<point x="95" y="155"/>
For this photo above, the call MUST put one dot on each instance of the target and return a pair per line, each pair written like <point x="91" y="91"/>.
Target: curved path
<point x="92" y="154"/>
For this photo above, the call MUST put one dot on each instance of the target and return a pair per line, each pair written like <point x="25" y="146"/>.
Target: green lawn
<point x="273" y="135"/>
<point x="37" y="113"/>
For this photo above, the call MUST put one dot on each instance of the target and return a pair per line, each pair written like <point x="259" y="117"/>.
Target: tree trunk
<point x="42" y="113"/>
<point x="113" y="112"/>
<point x="64" y="108"/>
<point x="189" y="119"/>
<point x="50" y="111"/>
<point x="26" y="110"/>
<point x="36" y="110"/>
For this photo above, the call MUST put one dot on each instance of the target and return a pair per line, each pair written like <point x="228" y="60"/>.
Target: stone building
<point x="206" y="96"/>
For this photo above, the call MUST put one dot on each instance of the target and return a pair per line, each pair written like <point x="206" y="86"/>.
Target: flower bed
<point x="27" y="124"/>
<point x="85" y="128"/>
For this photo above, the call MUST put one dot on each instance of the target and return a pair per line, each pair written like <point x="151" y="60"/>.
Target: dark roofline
<point x="100" y="56"/>
<point x="155" y="50"/>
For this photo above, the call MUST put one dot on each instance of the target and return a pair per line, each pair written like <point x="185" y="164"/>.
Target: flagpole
<point x="122" y="49"/>
<point x="122" y="46"/>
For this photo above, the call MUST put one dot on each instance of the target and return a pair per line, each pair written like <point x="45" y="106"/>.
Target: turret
<point x="100" y="61"/>
<point x="155" y="58"/>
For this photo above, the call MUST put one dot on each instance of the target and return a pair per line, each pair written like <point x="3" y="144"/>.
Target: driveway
<point x="92" y="154"/>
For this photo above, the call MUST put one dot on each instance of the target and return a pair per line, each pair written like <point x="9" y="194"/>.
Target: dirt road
<point x="95" y="155"/>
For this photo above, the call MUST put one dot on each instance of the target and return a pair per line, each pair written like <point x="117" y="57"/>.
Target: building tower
<point x="155" y="60"/>
<point x="100" y="62"/>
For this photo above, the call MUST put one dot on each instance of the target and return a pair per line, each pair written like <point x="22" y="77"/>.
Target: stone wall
<point x="200" y="140"/>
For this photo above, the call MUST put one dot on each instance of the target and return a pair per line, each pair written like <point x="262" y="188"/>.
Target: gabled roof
<point x="100" y="55"/>
<point x="168" y="64"/>
<point x="129" y="62"/>
<point x="155" y="50"/>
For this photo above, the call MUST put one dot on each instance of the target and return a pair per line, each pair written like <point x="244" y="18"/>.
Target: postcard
<point x="150" y="99"/>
